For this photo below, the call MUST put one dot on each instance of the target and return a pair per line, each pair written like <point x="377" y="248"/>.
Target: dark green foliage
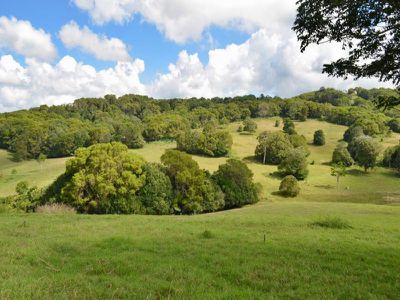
<point x="319" y="138"/>
<point x="288" y="126"/>
<point x="394" y="125"/>
<point x="26" y="199"/>
<point x="289" y="187"/>
<point x="342" y="156"/>
<point x="249" y="125"/>
<point x="371" y="126"/>
<point x="369" y="29"/>
<point x="195" y="192"/>
<point x="272" y="147"/>
<point x="352" y="132"/>
<point x="236" y="181"/>
<point x="210" y="142"/>
<point x="364" y="150"/>
<point x="105" y="179"/>
<point x="277" y="123"/>
<point x="166" y="126"/>
<point x="332" y="223"/>
<point x="295" y="163"/>
<point x="391" y="158"/>
<point x="156" y="195"/>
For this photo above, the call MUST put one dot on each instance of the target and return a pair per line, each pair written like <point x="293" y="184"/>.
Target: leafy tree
<point x="342" y="156"/>
<point x="194" y="190"/>
<point x="295" y="163"/>
<point x="236" y="180"/>
<point x="272" y="147"/>
<point x="394" y="125"/>
<point x="364" y="150"/>
<point x="369" y="30"/>
<point x="249" y="125"/>
<point x="319" y="138"/>
<point x="288" y="126"/>
<point x="353" y="132"/>
<point x="289" y="186"/>
<point x="156" y="196"/>
<point x="338" y="170"/>
<point x="105" y="179"/>
<point x="392" y="158"/>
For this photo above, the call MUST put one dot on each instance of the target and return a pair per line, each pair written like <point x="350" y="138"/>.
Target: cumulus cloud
<point x="182" y="20"/>
<point x="20" y="36"/>
<point x="102" y="47"/>
<point x="42" y="83"/>
<point x="269" y="64"/>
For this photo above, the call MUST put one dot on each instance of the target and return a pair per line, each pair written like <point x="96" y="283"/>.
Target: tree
<point x="105" y="179"/>
<point x="236" y="181"/>
<point x="194" y="190"/>
<point x="352" y="132"/>
<point x="156" y="195"/>
<point x="369" y="30"/>
<point x="338" y="170"/>
<point x="319" y="138"/>
<point x="289" y="186"/>
<point x="295" y="164"/>
<point x="272" y="147"/>
<point x="342" y="156"/>
<point x="277" y="123"/>
<point x="288" y="126"/>
<point x="394" y="125"/>
<point x="249" y="125"/>
<point x="391" y="158"/>
<point x="364" y="150"/>
<point x="41" y="159"/>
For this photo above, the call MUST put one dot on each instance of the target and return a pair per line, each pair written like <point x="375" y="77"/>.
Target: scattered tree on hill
<point x="295" y="163"/>
<point x="338" y="170"/>
<point x="364" y="150"/>
<point x="319" y="138"/>
<point x="391" y="158"/>
<point x="342" y="156"/>
<point x="249" y="125"/>
<point x="104" y="178"/>
<point x="272" y="147"/>
<point x="195" y="192"/>
<point x="289" y="186"/>
<point x="369" y="29"/>
<point x="288" y="126"/>
<point x="236" y="181"/>
<point x="352" y="132"/>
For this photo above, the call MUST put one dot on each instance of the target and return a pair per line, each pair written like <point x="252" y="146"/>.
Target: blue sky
<point x="52" y="52"/>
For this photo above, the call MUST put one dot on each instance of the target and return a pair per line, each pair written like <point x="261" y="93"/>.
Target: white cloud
<point x="42" y="83"/>
<point x="182" y="20"/>
<point x="20" y="36"/>
<point x="102" y="47"/>
<point x="269" y="64"/>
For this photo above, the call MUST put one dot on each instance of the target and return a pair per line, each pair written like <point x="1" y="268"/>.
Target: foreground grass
<point x="215" y="256"/>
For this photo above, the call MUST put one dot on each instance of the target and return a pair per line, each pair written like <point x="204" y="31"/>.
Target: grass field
<point x="215" y="256"/>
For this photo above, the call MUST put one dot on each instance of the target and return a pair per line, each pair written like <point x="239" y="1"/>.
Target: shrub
<point x="277" y="123"/>
<point x="104" y="179"/>
<point x="272" y="147"/>
<point x="394" y="125"/>
<point x="391" y="158"/>
<point x="289" y="186"/>
<point x="55" y="208"/>
<point x="319" y="138"/>
<point x="288" y="126"/>
<point x="352" y="132"/>
<point x="236" y="180"/>
<point x="342" y="156"/>
<point x="332" y="222"/>
<point x="295" y="164"/>
<point x="156" y="196"/>
<point x="249" y="125"/>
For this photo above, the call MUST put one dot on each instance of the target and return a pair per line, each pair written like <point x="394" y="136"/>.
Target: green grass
<point x="215" y="256"/>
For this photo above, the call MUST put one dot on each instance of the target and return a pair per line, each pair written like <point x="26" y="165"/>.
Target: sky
<point x="52" y="52"/>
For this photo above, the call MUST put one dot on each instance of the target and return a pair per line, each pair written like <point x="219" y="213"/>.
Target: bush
<point x="352" y="132"/>
<point x="289" y="186"/>
<point x="277" y="123"/>
<point x="236" y="180"/>
<point x="272" y="147"/>
<point x="295" y="164"/>
<point x="332" y="222"/>
<point x="319" y="138"/>
<point x="342" y="156"/>
<point x="249" y="125"/>
<point x="288" y="126"/>
<point x="391" y="158"/>
<point x="394" y="125"/>
<point x="156" y="196"/>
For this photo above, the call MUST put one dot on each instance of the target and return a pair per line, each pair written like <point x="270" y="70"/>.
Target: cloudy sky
<point x="52" y="52"/>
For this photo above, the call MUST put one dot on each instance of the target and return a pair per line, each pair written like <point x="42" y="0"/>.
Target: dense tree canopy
<point x="272" y="147"/>
<point x="368" y="29"/>
<point x="364" y="150"/>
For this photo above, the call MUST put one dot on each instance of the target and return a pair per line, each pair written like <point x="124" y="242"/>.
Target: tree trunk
<point x="265" y="155"/>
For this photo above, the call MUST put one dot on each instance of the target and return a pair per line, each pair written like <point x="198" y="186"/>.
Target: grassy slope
<point x="150" y="257"/>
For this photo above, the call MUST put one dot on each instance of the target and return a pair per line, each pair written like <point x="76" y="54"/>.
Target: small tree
<point x="41" y="159"/>
<point x="249" y="125"/>
<point x="289" y="186"/>
<point x="288" y="126"/>
<point x="342" y="156"/>
<point x="319" y="138"/>
<point x="295" y="164"/>
<point x="338" y="170"/>
<point x="365" y="151"/>
<point x="272" y="147"/>
<point x="277" y="123"/>
<point x="352" y="132"/>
